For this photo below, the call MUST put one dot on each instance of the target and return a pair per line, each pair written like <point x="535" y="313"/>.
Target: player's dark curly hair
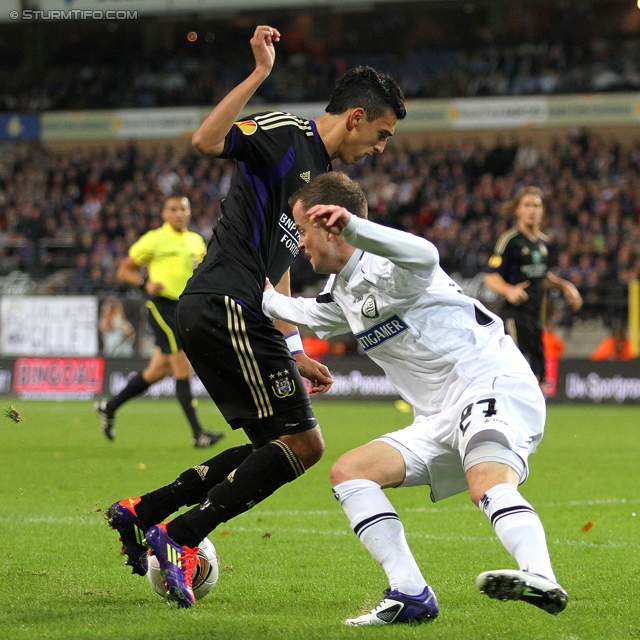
<point x="364" y="87"/>
<point x="332" y="188"/>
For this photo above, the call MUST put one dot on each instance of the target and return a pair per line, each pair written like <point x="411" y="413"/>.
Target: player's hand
<point x="573" y="297"/>
<point x="267" y="285"/>
<point x="517" y="294"/>
<point x="153" y="288"/>
<point x="263" y="50"/>
<point x="316" y="372"/>
<point x="329" y="217"/>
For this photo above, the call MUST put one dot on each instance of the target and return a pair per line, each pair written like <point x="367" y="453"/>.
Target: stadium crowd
<point x="68" y="218"/>
<point x="177" y="78"/>
<point x="433" y="51"/>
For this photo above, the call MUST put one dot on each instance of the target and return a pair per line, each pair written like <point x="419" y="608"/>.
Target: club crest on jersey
<point x="306" y="176"/>
<point x="283" y="387"/>
<point x="370" y="308"/>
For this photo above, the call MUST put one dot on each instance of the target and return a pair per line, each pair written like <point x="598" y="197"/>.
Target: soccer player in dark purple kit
<point x="251" y="367"/>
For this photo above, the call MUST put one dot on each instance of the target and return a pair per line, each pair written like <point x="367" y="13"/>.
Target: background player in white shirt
<point x="479" y="412"/>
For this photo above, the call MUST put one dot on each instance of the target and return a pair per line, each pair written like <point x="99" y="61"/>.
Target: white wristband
<point x="294" y="342"/>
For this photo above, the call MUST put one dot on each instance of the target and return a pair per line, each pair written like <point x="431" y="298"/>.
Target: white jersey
<point x="408" y="316"/>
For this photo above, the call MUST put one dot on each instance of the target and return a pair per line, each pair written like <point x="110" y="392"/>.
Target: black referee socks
<point x="135" y="387"/>
<point x="183" y="393"/>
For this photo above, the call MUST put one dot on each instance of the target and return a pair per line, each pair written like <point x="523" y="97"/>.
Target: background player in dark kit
<point x="520" y="270"/>
<point x="252" y="374"/>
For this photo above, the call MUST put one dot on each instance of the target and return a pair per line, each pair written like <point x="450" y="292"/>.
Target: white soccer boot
<point x="399" y="607"/>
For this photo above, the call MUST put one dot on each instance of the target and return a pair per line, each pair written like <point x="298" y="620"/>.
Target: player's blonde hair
<point x="509" y="207"/>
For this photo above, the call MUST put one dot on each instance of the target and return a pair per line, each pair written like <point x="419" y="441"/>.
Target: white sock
<point x="519" y="529"/>
<point x="376" y="523"/>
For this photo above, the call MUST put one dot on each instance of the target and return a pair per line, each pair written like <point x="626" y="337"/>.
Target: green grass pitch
<point x="291" y="567"/>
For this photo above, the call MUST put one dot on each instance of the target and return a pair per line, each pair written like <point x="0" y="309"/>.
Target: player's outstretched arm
<point x="325" y="320"/>
<point x="317" y="373"/>
<point x="569" y="290"/>
<point x="128" y="272"/>
<point x="209" y="137"/>
<point x="403" y="249"/>
<point x="515" y="294"/>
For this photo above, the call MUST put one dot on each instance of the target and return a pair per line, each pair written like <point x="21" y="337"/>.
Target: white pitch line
<point x="80" y="520"/>
<point x="583" y="543"/>
<point x="83" y="520"/>
<point x="467" y="507"/>
<point x="438" y="538"/>
<point x="314" y="532"/>
<point x="90" y="520"/>
<point x="591" y="503"/>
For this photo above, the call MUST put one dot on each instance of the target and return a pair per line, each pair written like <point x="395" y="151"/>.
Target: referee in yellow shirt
<point x="171" y="253"/>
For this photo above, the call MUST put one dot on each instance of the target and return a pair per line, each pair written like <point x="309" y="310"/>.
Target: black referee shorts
<point x="162" y="318"/>
<point x="245" y="365"/>
<point x="526" y="332"/>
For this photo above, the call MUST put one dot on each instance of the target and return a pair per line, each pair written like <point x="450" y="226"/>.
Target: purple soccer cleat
<point x="177" y="563"/>
<point x="123" y="518"/>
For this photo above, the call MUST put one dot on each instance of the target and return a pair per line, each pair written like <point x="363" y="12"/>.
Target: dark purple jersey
<point x="518" y="259"/>
<point x="276" y="153"/>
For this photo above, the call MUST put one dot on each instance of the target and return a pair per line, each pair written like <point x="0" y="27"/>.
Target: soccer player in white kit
<point x="479" y="411"/>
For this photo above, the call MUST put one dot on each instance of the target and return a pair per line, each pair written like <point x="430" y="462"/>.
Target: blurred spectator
<point x="81" y="282"/>
<point x="615" y="346"/>
<point x="116" y="332"/>
<point x="554" y="348"/>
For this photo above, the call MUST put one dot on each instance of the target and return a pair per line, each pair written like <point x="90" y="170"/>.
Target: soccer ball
<point x="204" y="577"/>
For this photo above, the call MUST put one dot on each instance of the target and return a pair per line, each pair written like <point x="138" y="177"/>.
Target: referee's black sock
<point x="135" y="387"/>
<point x="191" y="486"/>
<point x="183" y="392"/>
<point x="264" y="471"/>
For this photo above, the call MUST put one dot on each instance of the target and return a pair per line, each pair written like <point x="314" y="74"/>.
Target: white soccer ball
<point x="204" y="576"/>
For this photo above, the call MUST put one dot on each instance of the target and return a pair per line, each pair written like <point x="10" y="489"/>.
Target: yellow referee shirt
<point x="170" y="256"/>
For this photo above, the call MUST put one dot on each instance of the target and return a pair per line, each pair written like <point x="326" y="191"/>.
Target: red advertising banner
<point x="58" y="378"/>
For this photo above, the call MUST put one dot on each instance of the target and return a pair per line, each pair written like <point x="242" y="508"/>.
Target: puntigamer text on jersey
<point x="381" y="332"/>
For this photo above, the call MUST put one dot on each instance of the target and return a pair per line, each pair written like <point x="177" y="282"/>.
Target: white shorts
<point x="501" y="418"/>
